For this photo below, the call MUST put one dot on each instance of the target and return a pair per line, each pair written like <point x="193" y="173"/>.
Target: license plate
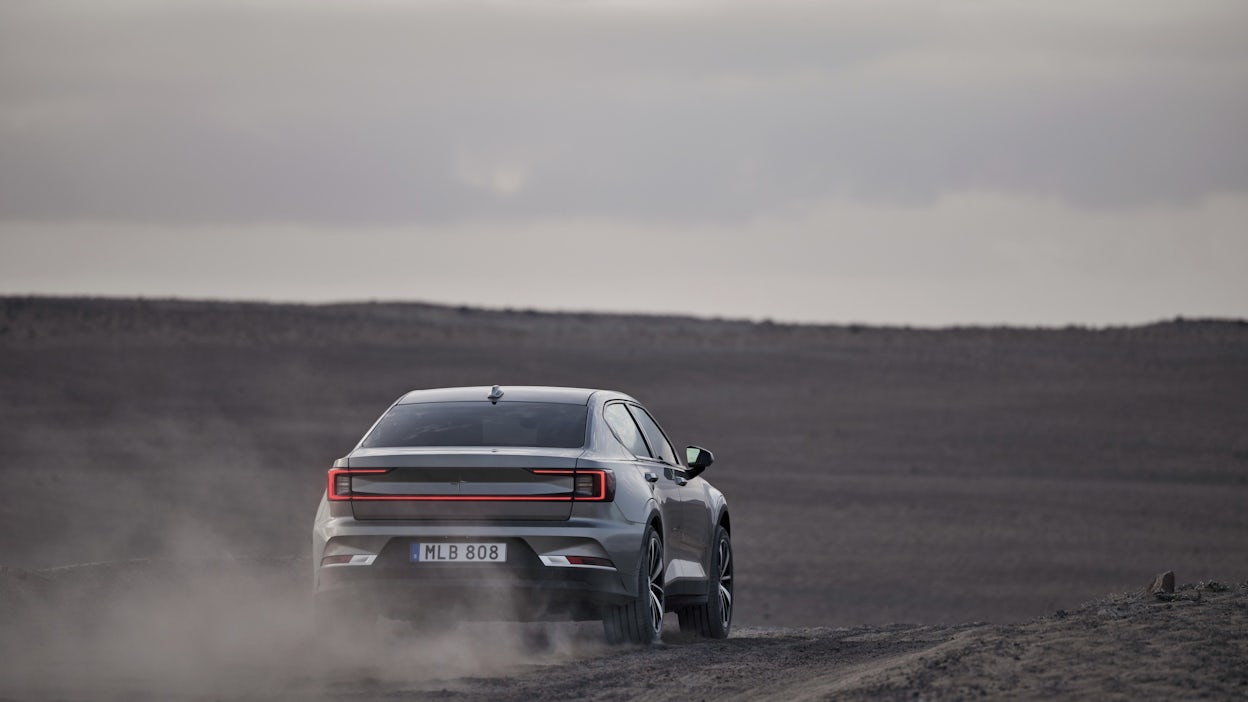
<point x="443" y="552"/>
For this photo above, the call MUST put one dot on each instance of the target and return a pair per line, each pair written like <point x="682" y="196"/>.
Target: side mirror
<point x="698" y="459"/>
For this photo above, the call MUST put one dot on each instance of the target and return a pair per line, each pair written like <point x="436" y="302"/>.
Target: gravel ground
<point x="1123" y="647"/>
<point x="238" y="630"/>
<point x="876" y="475"/>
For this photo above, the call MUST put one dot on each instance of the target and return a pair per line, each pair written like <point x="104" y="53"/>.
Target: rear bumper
<point x="472" y="592"/>
<point x="529" y="586"/>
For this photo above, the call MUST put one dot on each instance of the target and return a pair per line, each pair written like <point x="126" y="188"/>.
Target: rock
<point x="1162" y="584"/>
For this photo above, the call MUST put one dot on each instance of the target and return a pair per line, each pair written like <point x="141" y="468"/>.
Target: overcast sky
<point x="897" y="162"/>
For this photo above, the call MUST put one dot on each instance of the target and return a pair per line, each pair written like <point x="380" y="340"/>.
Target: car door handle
<point x="681" y="481"/>
<point x="651" y="477"/>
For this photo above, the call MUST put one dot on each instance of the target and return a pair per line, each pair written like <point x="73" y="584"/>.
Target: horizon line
<point x="533" y="310"/>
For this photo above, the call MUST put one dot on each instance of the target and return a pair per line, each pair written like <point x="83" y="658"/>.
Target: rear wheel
<point x="641" y="620"/>
<point x="713" y="619"/>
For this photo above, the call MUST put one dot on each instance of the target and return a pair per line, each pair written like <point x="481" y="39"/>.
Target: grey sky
<point x="907" y="162"/>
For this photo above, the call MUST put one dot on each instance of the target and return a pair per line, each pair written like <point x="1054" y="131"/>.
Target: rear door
<point x="686" y="501"/>
<point x="621" y="418"/>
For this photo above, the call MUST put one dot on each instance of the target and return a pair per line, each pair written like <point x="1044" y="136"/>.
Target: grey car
<point x="526" y="504"/>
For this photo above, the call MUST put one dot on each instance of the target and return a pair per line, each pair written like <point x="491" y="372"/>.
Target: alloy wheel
<point x="655" y="559"/>
<point x="725" y="581"/>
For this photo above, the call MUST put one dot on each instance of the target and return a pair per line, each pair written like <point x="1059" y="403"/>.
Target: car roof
<point x="512" y="393"/>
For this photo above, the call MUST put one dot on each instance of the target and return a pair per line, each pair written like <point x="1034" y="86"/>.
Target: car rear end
<point x="462" y="504"/>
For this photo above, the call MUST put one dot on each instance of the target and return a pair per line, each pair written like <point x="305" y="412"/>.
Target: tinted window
<point x="654" y="436"/>
<point x="537" y="424"/>
<point x="622" y="424"/>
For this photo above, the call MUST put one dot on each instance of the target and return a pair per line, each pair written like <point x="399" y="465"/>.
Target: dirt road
<point x="1132" y="647"/>
<point x="239" y="631"/>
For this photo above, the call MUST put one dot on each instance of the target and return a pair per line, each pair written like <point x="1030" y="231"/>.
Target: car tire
<point x="713" y="620"/>
<point x="640" y="621"/>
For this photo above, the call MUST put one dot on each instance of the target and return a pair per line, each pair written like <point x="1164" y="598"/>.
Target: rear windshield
<point x="536" y="424"/>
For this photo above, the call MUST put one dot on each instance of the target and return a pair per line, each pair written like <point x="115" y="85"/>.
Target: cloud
<point x="386" y="114"/>
<point x="969" y="257"/>
<point x="893" y="161"/>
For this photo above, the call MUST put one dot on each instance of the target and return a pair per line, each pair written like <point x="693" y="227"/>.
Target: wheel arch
<point x="655" y="521"/>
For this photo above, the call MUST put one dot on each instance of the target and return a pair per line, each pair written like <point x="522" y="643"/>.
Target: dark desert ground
<point x="944" y="513"/>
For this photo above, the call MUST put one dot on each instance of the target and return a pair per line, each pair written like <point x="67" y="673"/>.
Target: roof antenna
<point x="495" y="395"/>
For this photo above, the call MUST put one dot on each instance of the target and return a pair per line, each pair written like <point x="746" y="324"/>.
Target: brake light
<point x="584" y="486"/>
<point x="594" y="485"/>
<point x="339" y="487"/>
<point x="588" y="485"/>
<point x="590" y="561"/>
<point x="349" y="559"/>
<point x="581" y="561"/>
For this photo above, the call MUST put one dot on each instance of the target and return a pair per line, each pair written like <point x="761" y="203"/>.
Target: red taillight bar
<point x="602" y="490"/>
<point x="460" y="498"/>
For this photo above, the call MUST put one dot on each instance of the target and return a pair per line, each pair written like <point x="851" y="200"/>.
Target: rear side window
<point x="624" y="427"/>
<point x="654" y="435"/>
<point x="534" y="424"/>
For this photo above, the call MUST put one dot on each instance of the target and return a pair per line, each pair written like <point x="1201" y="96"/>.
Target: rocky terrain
<point x="932" y="477"/>
<point x="237" y="630"/>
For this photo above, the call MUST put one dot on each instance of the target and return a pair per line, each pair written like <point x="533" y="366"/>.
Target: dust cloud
<point x="233" y="627"/>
